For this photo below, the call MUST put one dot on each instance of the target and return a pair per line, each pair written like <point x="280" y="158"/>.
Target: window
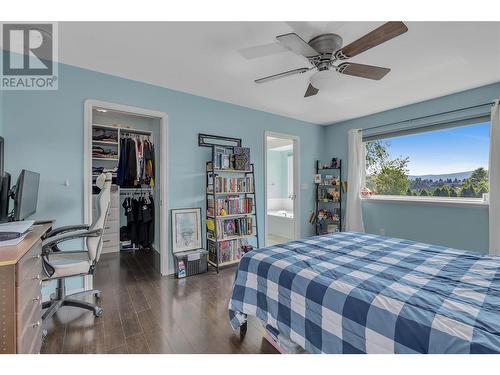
<point x="450" y="162"/>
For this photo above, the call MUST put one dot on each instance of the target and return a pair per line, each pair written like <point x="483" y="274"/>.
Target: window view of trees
<point x="386" y="175"/>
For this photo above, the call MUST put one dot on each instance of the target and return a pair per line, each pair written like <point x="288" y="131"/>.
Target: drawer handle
<point x="37" y="277"/>
<point x="36" y="299"/>
<point x="36" y="325"/>
<point x="106" y="241"/>
<point x="36" y="257"/>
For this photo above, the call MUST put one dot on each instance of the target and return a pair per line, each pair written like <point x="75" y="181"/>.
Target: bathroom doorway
<point x="281" y="187"/>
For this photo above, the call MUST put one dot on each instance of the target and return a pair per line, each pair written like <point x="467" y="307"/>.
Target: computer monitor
<point x="26" y="194"/>
<point x="4" y="187"/>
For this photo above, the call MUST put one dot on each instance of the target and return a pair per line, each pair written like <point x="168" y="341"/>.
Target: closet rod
<point x="136" y="132"/>
<point x="429" y="116"/>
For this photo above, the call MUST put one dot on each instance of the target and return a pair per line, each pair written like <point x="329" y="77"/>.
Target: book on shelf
<point x="222" y="157"/>
<point x="226" y="228"/>
<point x="229" y="206"/>
<point x="242" y="158"/>
<point x="232" y="185"/>
<point x="228" y="251"/>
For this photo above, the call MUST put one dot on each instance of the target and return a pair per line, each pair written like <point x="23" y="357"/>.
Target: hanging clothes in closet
<point x="136" y="165"/>
<point x="140" y="215"/>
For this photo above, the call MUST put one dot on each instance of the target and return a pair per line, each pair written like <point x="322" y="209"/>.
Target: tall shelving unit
<point x="326" y="203"/>
<point x="214" y="238"/>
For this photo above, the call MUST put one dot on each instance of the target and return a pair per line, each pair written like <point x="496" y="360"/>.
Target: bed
<point x="362" y="293"/>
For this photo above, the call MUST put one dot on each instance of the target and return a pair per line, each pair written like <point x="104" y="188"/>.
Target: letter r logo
<point x="28" y="49"/>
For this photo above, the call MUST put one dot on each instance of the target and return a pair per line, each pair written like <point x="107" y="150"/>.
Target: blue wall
<point x="462" y="228"/>
<point x="44" y="133"/>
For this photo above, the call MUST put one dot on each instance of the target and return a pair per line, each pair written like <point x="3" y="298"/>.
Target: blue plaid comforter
<point x="362" y="293"/>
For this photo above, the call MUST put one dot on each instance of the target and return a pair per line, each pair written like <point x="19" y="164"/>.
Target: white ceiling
<point x="279" y="144"/>
<point x="205" y="58"/>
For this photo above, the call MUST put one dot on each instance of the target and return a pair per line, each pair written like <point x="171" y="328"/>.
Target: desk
<point x="21" y="294"/>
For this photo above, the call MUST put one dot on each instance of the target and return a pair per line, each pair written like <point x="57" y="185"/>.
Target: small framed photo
<point x="186" y="229"/>
<point x="317" y="179"/>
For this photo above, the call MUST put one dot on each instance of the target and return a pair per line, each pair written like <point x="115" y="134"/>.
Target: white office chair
<point x="59" y="265"/>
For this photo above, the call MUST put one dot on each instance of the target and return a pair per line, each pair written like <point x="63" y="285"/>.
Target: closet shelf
<point x="107" y="159"/>
<point x="113" y="127"/>
<point x="105" y="142"/>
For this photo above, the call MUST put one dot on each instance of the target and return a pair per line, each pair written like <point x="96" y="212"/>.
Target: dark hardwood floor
<point x="147" y="313"/>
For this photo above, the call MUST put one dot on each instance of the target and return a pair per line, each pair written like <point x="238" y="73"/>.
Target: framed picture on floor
<point x="186" y="229"/>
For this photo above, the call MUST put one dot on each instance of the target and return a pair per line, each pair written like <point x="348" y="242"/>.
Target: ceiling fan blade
<point x="295" y="43"/>
<point x="364" y="71"/>
<point x="281" y="75"/>
<point x="378" y="36"/>
<point x="263" y="50"/>
<point x="311" y="90"/>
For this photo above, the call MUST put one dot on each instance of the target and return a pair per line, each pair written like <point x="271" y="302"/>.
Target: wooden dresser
<point x="21" y="276"/>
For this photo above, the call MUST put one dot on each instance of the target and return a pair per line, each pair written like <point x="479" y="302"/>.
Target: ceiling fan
<point x="323" y="51"/>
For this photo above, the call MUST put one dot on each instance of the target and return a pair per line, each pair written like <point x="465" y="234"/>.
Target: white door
<point x="281" y="188"/>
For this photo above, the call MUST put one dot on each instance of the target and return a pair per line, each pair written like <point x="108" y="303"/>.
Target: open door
<point x="281" y="189"/>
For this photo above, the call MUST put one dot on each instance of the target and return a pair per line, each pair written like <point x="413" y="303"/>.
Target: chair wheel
<point x="44" y="336"/>
<point x="243" y="330"/>
<point x="98" y="312"/>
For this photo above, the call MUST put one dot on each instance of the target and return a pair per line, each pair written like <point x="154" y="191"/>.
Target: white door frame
<point x="296" y="181"/>
<point x="87" y="169"/>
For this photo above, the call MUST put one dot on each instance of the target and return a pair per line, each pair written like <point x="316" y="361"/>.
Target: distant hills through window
<point x="450" y="162"/>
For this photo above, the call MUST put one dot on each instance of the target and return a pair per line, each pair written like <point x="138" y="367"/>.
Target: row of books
<point x="242" y="226"/>
<point x="228" y="251"/>
<point x="230" y="206"/>
<point x="232" y="158"/>
<point x="232" y="185"/>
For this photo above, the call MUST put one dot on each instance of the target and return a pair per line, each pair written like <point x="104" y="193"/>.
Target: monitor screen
<point x="26" y="195"/>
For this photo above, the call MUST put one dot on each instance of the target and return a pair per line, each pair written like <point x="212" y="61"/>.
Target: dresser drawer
<point x="30" y="264"/>
<point x="30" y="331"/>
<point x="37" y="342"/>
<point x="113" y="214"/>
<point x="28" y="295"/>
<point x="111" y="227"/>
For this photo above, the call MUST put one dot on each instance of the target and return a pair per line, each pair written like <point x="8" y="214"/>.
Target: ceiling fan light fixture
<point x="323" y="80"/>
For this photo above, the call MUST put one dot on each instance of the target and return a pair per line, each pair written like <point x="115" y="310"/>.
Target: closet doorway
<point x="281" y="155"/>
<point x="110" y="130"/>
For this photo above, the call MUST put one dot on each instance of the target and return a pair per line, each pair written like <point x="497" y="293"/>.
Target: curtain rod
<point x="433" y="115"/>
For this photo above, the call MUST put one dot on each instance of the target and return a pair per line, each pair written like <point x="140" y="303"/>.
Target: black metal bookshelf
<point x="213" y="238"/>
<point x="332" y="205"/>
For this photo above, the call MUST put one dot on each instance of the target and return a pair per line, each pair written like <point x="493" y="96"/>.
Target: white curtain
<point x="355" y="180"/>
<point x="494" y="178"/>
